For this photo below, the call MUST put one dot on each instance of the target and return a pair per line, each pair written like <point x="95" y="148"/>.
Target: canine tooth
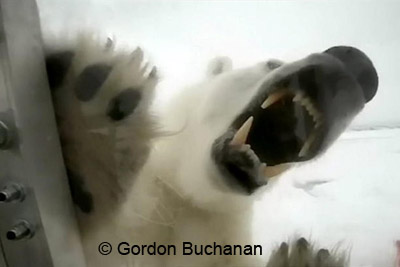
<point x="276" y="170"/>
<point x="306" y="146"/>
<point x="262" y="168"/>
<point x="271" y="99"/>
<point x="241" y="135"/>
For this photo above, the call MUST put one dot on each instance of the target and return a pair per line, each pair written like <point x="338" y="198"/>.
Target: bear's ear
<point x="219" y="65"/>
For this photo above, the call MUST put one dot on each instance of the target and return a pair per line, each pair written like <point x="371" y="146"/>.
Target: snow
<point x="350" y="196"/>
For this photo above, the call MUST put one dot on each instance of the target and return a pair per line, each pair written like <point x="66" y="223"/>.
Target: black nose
<point x="360" y="66"/>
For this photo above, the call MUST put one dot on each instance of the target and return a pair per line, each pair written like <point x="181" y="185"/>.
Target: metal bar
<point x="37" y="225"/>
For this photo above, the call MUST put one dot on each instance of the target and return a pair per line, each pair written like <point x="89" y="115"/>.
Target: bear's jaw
<point x="277" y="133"/>
<point x="299" y="109"/>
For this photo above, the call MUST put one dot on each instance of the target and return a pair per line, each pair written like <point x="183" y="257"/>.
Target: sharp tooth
<point x="309" y="106"/>
<point x="297" y="97"/>
<point x="262" y="168"/>
<point x="308" y="110"/>
<point x="313" y="110"/>
<point x="305" y="102"/>
<point x="271" y="99"/>
<point x="246" y="147"/>
<point x="241" y="135"/>
<point x="315" y="123"/>
<point x="306" y="147"/>
<point x="276" y="170"/>
<point x="316" y="117"/>
<point x="313" y="113"/>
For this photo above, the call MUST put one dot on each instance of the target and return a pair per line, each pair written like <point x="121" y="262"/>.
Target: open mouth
<point x="296" y="115"/>
<point x="280" y="131"/>
<point x="273" y="133"/>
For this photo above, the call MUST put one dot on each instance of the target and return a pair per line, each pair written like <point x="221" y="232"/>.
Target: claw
<point x="153" y="73"/>
<point x="137" y="54"/>
<point x="109" y="44"/>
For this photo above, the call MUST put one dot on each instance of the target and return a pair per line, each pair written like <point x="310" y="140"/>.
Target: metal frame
<point x="48" y="234"/>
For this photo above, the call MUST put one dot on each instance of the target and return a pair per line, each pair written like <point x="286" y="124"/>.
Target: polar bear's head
<point x="251" y="124"/>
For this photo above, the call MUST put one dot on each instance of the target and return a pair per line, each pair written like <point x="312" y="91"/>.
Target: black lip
<point x="239" y="167"/>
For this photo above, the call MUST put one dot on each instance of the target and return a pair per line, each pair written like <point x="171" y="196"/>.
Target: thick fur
<point x="142" y="179"/>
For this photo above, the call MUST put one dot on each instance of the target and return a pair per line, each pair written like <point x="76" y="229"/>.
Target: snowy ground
<point x="359" y="205"/>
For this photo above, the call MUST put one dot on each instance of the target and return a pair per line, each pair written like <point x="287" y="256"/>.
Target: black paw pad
<point x="284" y="249"/>
<point x="302" y="244"/>
<point x="123" y="104"/>
<point x="57" y="65"/>
<point x="322" y="255"/>
<point x="81" y="197"/>
<point x="90" y="80"/>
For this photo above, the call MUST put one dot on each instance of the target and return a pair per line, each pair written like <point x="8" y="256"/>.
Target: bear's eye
<point x="274" y="64"/>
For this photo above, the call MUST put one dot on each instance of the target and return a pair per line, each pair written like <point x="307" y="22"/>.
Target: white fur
<point x="177" y="194"/>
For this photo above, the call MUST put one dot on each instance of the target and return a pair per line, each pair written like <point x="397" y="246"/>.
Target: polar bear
<point x="186" y="179"/>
